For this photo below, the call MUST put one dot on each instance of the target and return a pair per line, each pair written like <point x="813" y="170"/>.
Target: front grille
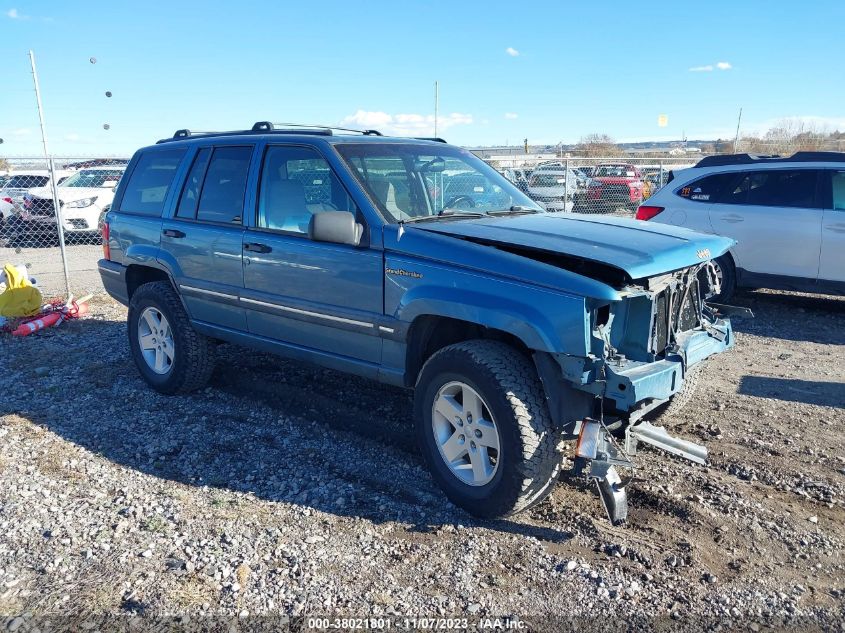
<point x="616" y="192"/>
<point x="687" y="317"/>
<point x="660" y="327"/>
<point x="685" y="307"/>
<point x="39" y="206"/>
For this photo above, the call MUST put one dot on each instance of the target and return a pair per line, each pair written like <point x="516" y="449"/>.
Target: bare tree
<point x="597" y="145"/>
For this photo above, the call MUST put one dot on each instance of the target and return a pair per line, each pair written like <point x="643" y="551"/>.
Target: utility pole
<point x="436" y="104"/>
<point x="736" y="138"/>
<point x="57" y="209"/>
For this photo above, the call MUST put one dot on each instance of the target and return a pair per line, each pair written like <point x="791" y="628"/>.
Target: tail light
<point x="8" y="200"/>
<point x="105" y="233"/>
<point x="646" y="212"/>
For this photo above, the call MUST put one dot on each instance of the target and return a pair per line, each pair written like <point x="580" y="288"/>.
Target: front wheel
<point x="484" y="429"/>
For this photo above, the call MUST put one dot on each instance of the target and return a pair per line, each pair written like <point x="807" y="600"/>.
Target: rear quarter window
<point x="150" y="181"/>
<point x="707" y="189"/>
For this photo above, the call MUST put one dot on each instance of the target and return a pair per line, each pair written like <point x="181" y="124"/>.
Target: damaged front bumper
<point x="609" y="398"/>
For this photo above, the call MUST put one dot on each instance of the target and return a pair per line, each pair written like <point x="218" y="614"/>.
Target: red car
<point x="616" y="184"/>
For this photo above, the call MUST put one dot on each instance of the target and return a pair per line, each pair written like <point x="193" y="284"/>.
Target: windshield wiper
<point x="514" y="210"/>
<point x="445" y="213"/>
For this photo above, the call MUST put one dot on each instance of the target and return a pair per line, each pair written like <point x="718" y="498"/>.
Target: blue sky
<point x="548" y="71"/>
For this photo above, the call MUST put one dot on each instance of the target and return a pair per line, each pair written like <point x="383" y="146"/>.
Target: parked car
<point x="519" y="177"/>
<point x="786" y="214"/>
<point x="83" y="197"/>
<point x="18" y="183"/>
<point x="515" y="328"/>
<point x="474" y="190"/>
<point x="555" y="188"/>
<point x="615" y="185"/>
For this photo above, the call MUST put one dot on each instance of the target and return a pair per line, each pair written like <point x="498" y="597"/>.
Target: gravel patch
<point x="290" y="490"/>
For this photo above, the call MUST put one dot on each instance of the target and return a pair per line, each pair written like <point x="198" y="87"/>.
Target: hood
<point x="639" y="249"/>
<point x="67" y="194"/>
<point x="615" y="180"/>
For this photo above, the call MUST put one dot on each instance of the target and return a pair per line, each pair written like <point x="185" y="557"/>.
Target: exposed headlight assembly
<point x="81" y="204"/>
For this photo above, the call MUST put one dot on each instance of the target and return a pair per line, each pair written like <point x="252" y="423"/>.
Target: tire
<point x="668" y="412"/>
<point x="725" y="264"/>
<point x="192" y="353"/>
<point x="527" y="462"/>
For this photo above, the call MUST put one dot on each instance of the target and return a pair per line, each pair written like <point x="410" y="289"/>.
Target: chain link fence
<point x="62" y="256"/>
<point x="60" y="251"/>
<point x="607" y="185"/>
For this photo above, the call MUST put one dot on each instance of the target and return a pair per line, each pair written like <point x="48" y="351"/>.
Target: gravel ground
<point x="291" y="490"/>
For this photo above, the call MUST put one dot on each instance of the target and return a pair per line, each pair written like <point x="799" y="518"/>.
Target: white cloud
<point x="405" y="124"/>
<point x="511" y="115"/>
<point x="22" y="131"/>
<point x="512" y="51"/>
<point x="14" y="15"/>
<point x="73" y="136"/>
<point x="709" y="68"/>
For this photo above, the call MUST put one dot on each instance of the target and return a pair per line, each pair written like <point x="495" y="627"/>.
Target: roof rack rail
<point x="436" y="139"/>
<point x="749" y="159"/>
<point x="317" y="128"/>
<point x="266" y="127"/>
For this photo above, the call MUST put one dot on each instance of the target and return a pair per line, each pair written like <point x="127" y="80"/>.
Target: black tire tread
<point x="680" y="400"/>
<point x="198" y="349"/>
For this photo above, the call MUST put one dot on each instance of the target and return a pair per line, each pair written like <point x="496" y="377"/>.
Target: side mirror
<point x="338" y="227"/>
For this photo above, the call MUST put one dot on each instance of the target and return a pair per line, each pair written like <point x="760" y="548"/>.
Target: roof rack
<point x="748" y="159"/>
<point x="266" y="127"/>
<point x="436" y="139"/>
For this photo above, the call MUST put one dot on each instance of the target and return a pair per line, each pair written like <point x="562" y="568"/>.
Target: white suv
<point x="16" y="185"/>
<point x="786" y="214"/>
<point x="83" y="198"/>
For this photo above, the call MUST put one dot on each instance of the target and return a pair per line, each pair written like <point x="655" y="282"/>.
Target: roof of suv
<point x="298" y="132"/>
<point x="756" y="159"/>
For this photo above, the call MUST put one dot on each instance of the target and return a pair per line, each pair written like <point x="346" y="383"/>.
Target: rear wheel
<point x="170" y="355"/>
<point x="484" y="428"/>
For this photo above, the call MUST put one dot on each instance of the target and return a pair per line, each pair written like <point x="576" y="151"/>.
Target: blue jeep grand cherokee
<point x="413" y="262"/>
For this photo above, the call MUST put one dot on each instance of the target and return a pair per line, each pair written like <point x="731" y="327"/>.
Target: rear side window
<point x="222" y="196"/>
<point x="706" y="189"/>
<point x="774" y="188"/>
<point x="838" y="181"/>
<point x="150" y="181"/>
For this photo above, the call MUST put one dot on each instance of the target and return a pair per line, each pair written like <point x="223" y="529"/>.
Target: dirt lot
<point x="293" y="490"/>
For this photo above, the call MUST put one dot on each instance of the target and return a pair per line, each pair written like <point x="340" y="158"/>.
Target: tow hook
<point x="597" y="456"/>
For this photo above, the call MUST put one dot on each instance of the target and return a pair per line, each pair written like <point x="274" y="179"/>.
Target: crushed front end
<point x="642" y="349"/>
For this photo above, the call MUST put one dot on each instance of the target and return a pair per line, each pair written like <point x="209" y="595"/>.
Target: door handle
<point x="172" y="233"/>
<point x="836" y="228"/>
<point x="733" y="218"/>
<point x="257" y="248"/>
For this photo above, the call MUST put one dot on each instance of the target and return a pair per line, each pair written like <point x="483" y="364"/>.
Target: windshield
<point x="614" y="171"/>
<point x="94" y="178"/>
<point x="411" y="181"/>
<point x="553" y="179"/>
